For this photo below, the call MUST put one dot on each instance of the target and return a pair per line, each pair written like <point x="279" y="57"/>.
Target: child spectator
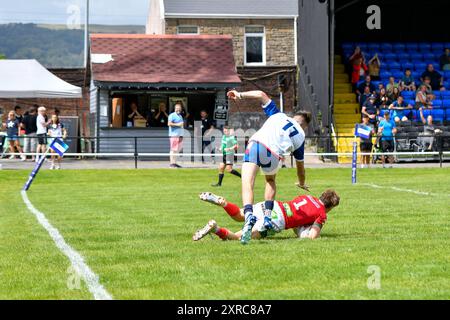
<point x="12" y="127"/>
<point x="400" y="110"/>
<point x="56" y="130"/>
<point x="228" y="149"/>
<point x="176" y="133"/>
<point x="407" y="83"/>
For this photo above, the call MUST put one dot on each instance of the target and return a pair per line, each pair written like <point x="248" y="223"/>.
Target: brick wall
<point x="280" y="36"/>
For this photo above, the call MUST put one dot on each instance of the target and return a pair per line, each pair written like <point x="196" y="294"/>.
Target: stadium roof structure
<point x="255" y="9"/>
<point x="29" y="79"/>
<point x="163" y="60"/>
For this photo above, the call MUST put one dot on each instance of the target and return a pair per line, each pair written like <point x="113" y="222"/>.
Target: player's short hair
<point x="227" y="127"/>
<point x="330" y="199"/>
<point x="305" y="114"/>
<point x="365" y="116"/>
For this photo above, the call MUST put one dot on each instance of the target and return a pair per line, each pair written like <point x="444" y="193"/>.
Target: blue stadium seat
<point x="421" y="67"/>
<point x="437" y="104"/>
<point x="411" y="102"/>
<point x="390" y="57"/>
<point x="348" y="46"/>
<point x="425" y="47"/>
<point x="437" y="46"/>
<point x="373" y="47"/>
<point x="385" y="74"/>
<point x="446" y="103"/>
<point x="437" y="66"/>
<point x="416" y="56"/>
<point x="394" y="66"/>
<point x="428" y="57"/>
<point x="412" y="47"/>
<point x="426" y="113"/>
<point x="403" y="56"/>
<point x="398" y="75"/>
<point x="438" y="115"/>
<point x="376" y="83"/>
<point x="416" y="75"/>
<point x="408" y="95"/>
<point x="399" y="47"/>
<point x="446" y="74"/>
<point x="437" y="93"/>
<point x="407" y="65"/>
<point x="445" y="94"/>
<point x="363" y="46"/>
<point x="447" y="84"/>
<point x="386" y="47"/>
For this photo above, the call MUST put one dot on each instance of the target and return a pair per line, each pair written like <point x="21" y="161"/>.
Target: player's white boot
<point x="212" y="198"/>
<point x="203" y="232"/>
<point x="250" y="221"/>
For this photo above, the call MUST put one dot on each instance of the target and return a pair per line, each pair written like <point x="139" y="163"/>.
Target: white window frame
<point x="258" y="35"/>
<point x="188" y="26"/>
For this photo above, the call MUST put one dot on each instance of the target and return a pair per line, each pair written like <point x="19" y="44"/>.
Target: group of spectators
<point x="33" y="128"/>
<point x="156" y="118"/>
<point x="383" y="107"/>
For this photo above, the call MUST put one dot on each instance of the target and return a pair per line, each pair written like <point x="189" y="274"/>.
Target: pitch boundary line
<point x="77" y="261"/>
<point x="422" y="193"/>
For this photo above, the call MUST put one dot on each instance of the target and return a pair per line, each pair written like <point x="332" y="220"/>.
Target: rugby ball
<point x="303" y="232"/>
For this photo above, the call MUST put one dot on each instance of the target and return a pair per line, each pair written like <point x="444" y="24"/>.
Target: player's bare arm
<point x="301" y="174"/>
<point x="258" y="95"/>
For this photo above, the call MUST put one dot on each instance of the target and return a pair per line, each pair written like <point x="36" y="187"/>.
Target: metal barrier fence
<point x="202" y="149"/>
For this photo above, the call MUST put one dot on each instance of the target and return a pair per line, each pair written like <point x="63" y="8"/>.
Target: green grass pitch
<point x="134" y="230"/>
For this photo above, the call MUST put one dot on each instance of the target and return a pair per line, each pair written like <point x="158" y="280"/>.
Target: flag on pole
<point x="59" y="146"/>
<point x="363" y="131"/>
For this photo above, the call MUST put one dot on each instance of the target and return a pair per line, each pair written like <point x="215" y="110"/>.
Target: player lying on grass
<point x="279" y="135"/>
<point x="306" y="215"/>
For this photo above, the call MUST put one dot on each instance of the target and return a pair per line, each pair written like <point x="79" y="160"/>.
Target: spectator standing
<point x="436" y="78"/>
<point x="12" y="129"/>
<point x="366" y="145"/>
<point x="134" y="113"/>
<point x="387" y="130"/>
<point x="56" y="130"/>
<point x="29" y="124"/>
<point x="444" y="60"/>
<point x="228" y="149"/>
<point x="364" y="97"/>
<point x="374" y="68"/>
<point x="407" y="83"/>
<point x="41" y="133"/>
<point x="359" y="70"/>
<point x="207" y="126"/>
<point x="176" y="132"/>
<point x="400" y="110"/>
<point x="371" y="111"/>
<point x="161" y="117"/>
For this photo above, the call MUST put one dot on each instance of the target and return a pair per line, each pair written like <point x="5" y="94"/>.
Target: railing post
<point x="135" y="153"/>
<point x="441" y="151"/>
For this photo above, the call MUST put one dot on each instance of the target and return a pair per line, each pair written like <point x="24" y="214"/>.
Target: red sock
<point x="232" y="209"/>
<point x="222" y="233"/>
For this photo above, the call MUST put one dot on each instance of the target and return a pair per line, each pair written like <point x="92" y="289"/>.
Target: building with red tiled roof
<point x="154" y="72"/>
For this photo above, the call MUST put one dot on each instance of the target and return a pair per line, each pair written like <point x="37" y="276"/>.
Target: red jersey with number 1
<point x="304" y="211"/>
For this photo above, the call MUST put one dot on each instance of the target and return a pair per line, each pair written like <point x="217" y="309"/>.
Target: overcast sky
<point x="112" y="12"/>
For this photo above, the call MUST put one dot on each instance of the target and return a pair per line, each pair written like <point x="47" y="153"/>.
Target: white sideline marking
<point x="405" y="190"/>
<point x="75" y="258"/>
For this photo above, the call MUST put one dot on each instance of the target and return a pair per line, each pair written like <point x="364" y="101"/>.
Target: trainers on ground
<point x="247" y="230"/>
<point x="23" y="158"/>
<point x="200" y="234"/>
<point x="216" y="185"/>
<point x="11" y="157"/>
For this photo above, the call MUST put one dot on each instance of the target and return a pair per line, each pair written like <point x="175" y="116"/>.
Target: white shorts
<point x="277" y="217"/>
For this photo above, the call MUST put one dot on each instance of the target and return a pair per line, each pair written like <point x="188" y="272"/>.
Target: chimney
<point x="156" y="18"/>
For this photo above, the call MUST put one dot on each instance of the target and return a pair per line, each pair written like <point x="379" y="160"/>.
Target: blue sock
<point x="269" y="205"/>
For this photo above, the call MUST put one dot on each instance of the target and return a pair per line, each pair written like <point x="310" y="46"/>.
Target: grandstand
<point x="395" y="59"/>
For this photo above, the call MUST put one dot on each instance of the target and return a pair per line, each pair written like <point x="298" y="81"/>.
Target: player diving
<point x="305" y="215"/>
<point x="278" y="136"/>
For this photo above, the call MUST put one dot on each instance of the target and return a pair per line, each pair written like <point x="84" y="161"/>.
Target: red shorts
<point x="176" y="143"/>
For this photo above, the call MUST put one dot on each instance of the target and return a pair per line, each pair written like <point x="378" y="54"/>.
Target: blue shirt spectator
<point x="387" y="126"/>
<point x="177" y="119"/>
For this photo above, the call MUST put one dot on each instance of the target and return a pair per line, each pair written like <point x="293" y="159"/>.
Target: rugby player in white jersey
<point x="279" y="135"/>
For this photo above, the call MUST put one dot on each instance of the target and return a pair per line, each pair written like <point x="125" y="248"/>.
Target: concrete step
<point x="337" y="59"/>
<point x="346" y="106"/>
<point x="341" y="78"/>
<point x="343" y="98"/>
<point x="339" y="68"/>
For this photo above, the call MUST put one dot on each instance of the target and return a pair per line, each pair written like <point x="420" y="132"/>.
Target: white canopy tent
<point x="29" y="79"/>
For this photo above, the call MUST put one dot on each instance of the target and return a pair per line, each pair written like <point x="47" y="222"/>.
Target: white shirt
<point x="281" y="134"/>
<point x="40" y="121"/>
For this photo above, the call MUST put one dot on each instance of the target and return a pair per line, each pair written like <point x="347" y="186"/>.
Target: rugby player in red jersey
<point x="306" y="215"/>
